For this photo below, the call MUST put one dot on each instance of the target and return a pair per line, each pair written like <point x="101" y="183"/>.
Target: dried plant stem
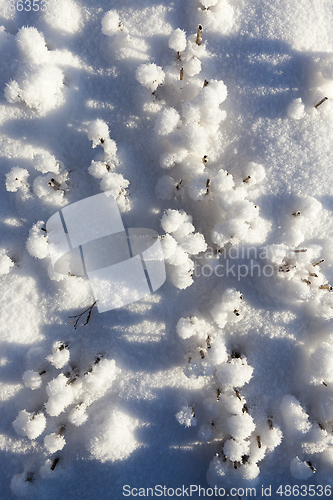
<point x="54" y="463"/>
<point x="320" y="102"/>
<point x="75" y="319"/>
<point x="199" y="34"/>
<point x="319" y="262"/>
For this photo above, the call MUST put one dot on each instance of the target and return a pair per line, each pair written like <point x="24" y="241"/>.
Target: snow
<point x="110" y="23"/>
<point x="28" y="424"/>
<point x="294" y="416"/>
<point x="17" y="179"/>
<point x="167" y="121"/>
<point x="300" y="470"/>
<point x="177" y="40"/>
<point x="113" y="437"/>
<point x="60" y="395"/>
<point x="186" y="416"/>
<point x="150" y="75"/>
<point x="53" y="442"/>
<point x="234" y="450"/>
<point x="5" y="262"/>
<point x="241" y="426"/>
<point x="98" y="131"/>
<point x="64" y="16"/>
<point x="296" y="109"/>
<point x="32" y="379"/>
<point x="40" y="88"/>
<point x="37" y="244"/>
<point x="209" y="122"/>
<point x="60" y="355"/>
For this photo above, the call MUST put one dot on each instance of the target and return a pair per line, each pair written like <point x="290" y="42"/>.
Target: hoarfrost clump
<point x="51" y="188"/>
<point x="104" y="166"/>
<point x="300" y="221"/>
<point x="186" y="416"/>
<point x="296" y="109"/>
<point x="64" y="15"/>
<point x="112" y="436"/>
<point x="203" y="351"/>
<point x="29" y="424"/>
<point x="190" y="326"/>
<point x="223" y="472"/>
<point x="192" y="67"/>
<point x="111" y="23"/>
<point x="120" y="42"/>
<point x="17" y="179"/>
<point x="295" y="418"/>
<point x="32" y="379"/>
<point x="41" y="89"/>
<point x="150" y="75"/>
<point x="217" y="16"/>
<point x="53" y="442"/>
<point x="300" y="470"/>
<point x="180" y="245"/>
<point x="298" y="275"/>
<point x="98" y="169"/>
<point x="60" y="355"/>
<point x="167" y="121"/>
<point x="228" y="308"/>
<point x="241" y="426"/>
<point x="234" y="374"/>
<point x="39" y="83"/>
<point x="177" y="40"/>
<point x="32" y="45"/>
<point x="45" y="163"/>
<point x="174" y="219"/>
<point x="37" y="244"/>
<point x="98" y="131"/>
<point x="235" y="449"/>
<point x="241" y="222"/>
<point x="6" y="262"/>
<point x="78" y="415"/>
<point x="97" y="382"/>
<point x="115" y="183"/>
<point x="60" y="395"/>
<point x="188" y="126"/>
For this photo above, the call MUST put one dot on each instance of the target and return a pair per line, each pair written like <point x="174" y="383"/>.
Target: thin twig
<point x="199" y="34"/>
<point x="75" y="319"/>
<point x="320" y="102"/>
<point x="54" y="463"/>
<point x="319" y="262"/>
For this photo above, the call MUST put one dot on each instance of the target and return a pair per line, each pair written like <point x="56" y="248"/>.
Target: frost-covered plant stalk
<point x="105" y="165"/>
<point x="71" y="389"/>
<point x="244" y="441"/>
<point x="189" y="131"/>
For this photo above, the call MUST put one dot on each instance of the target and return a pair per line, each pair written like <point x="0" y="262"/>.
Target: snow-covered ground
<point x="204" y="120"/>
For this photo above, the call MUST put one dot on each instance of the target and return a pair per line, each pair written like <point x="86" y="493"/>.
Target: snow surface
<point x="221" y="145"/>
